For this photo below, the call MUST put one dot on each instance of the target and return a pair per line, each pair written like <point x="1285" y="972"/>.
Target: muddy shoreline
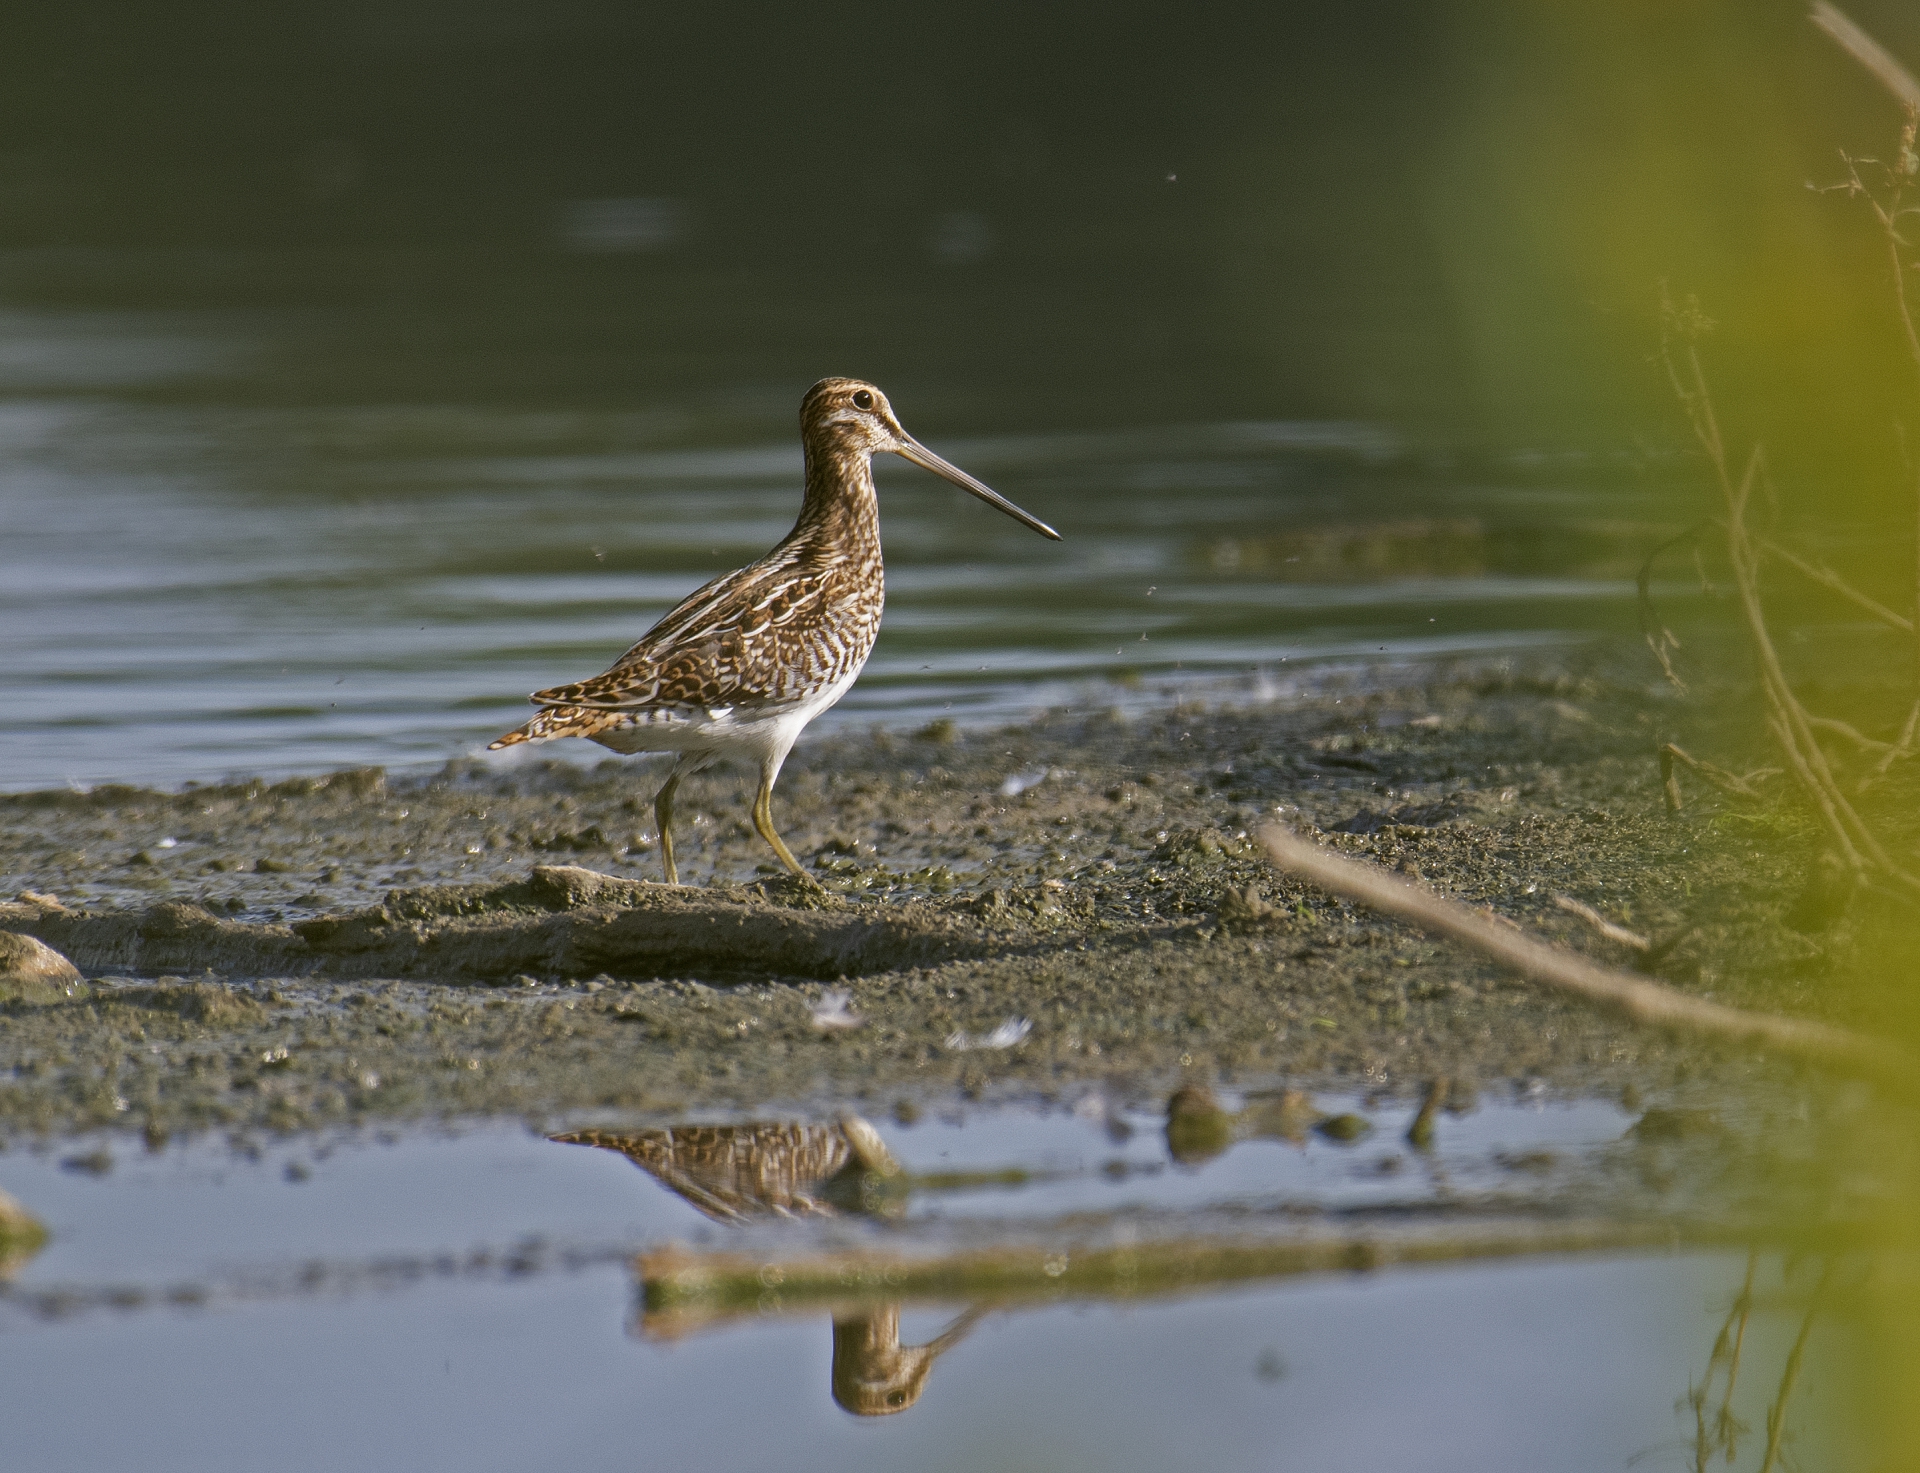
<point x="487" y="940"/>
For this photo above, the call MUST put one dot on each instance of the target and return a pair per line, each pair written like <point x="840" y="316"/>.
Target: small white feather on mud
<point x="834" y="1011"/>
<point x="1013" y="1031"/>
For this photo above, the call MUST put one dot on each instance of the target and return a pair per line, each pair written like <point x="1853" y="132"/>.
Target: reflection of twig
<point x="1726" y="1429"/>
<point x="1565" y="971"/>
<point x="1420" y="1132"/>
<point x="684" y="1292"/>
<point x="1777" y="1408"/>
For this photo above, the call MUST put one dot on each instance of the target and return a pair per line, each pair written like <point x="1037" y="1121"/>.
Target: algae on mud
<point x="1108" y="894"/>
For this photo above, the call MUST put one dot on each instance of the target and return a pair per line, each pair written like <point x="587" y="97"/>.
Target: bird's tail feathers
<point x="558" y="721"/>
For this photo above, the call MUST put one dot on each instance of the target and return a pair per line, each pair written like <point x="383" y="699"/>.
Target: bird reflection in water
<point x="739" y="1174"/>
<point x="874" y="1375"/>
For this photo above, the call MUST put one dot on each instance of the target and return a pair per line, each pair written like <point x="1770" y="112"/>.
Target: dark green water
<point x="466" y="1300"/>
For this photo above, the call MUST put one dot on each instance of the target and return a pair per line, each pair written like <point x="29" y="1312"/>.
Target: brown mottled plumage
<point x="874" y="1375"/>
<point x="737" y="1173"/>
<point x="743" y="664"/>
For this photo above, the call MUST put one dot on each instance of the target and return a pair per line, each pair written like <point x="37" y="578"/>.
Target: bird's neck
<point x="840" y="502"/>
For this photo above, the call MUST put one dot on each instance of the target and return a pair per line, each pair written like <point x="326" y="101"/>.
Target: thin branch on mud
<point x="1665" y="947"/>
<point x="1648" y="953"/>
<point x="1634" y="998"/>
<point x="1777" y="1408"/>
<point x="1670" y="780"/>
<point x="1660" y="639"/>
<point x="1738" y="787"/>
<point x="1607" y="928"/>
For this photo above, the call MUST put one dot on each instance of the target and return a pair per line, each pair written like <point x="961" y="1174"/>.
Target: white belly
<point x="761" y="734"/>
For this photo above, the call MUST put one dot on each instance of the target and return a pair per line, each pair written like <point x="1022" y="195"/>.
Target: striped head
<point x="847" y="418"/>
<point x="850" y="415"/>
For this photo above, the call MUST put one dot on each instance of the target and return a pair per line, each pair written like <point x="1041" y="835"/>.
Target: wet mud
<point x="563" y="920"/>
<point x="996" y="914"/>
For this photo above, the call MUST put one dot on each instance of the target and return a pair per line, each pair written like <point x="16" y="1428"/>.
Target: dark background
<point x="1451" y="217"/>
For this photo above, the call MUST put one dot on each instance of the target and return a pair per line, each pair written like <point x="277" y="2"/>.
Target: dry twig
<point x="1888" y="211"/>
<point x="1853" y="734"/>
<point x="1791" y="725"/>
<point x="1632" y="997"/>
<point x="1670" y="780"/>
<point x="1829" y="579"/>
<point x="1660" y="639"/>
<point x="1905" y="746"/>
<point x="1867" y="51"/>
<point x="1600" y="923"/>
<point x="1648" y="953"/>
<point x="1787" y="719"/>
<point x="1739" y="787"/>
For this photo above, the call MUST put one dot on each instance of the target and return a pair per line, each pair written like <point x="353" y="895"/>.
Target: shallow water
<point x="464" y="1299"/>
<point x="151" y="1215"/>
<point x="192" y="588"/>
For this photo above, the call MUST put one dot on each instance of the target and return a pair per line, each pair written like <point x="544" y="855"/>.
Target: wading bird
<point x="741" y="665"/>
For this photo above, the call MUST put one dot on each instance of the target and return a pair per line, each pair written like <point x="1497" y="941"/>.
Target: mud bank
<point x="294" y="954"/>
<point x="563" y="920"/>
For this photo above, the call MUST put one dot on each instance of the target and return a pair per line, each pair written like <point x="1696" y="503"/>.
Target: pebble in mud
<point x="29" y="965"/>
<point x="1344" y="1129"/>
<point x="1197" y="1128"/>
<point x="21" y="1236"/>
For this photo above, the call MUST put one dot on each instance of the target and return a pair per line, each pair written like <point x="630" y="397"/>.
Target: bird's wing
<point x="700" y="654"/>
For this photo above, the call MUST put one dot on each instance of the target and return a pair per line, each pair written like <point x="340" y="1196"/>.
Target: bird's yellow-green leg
<point x="663" y="817"/>
<point x="763" y="821"/>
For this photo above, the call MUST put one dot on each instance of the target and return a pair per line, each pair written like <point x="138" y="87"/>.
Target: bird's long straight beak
<point x="911" y="449"/>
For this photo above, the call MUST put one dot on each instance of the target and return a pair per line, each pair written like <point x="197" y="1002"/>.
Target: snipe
<point x="741" y="666"/>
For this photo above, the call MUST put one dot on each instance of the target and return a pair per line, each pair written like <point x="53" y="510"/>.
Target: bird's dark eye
<point x="862" y="399"/>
